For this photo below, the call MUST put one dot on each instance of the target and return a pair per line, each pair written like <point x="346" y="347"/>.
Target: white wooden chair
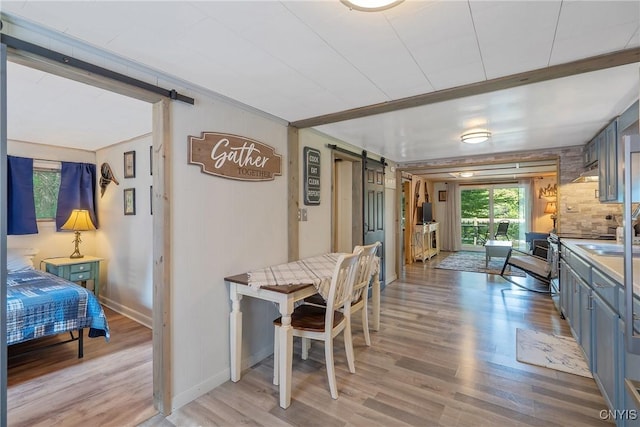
<point x="360" y="299"/>
<point x="325" y="323"/>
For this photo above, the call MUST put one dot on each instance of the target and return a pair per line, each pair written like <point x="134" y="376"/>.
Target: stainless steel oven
<point x="553" y="257"/>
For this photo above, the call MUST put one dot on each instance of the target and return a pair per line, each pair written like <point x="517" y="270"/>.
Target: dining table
<point x="285" y="284"/>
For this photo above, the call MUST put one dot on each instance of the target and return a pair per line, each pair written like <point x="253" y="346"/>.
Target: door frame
<point x="357" y="219"/>
<point x="162" y="261"/>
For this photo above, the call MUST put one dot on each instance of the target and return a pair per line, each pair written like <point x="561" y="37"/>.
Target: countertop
<point x="613" y="266"/>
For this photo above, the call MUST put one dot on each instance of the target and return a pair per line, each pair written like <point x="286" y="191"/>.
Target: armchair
<point x="533" y="265"/>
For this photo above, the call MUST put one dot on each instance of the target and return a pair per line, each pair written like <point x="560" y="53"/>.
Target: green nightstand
<point x="76" y="270"/>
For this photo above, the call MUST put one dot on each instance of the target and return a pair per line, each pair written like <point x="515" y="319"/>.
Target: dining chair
<point x="325" y="323"/>
<point x="359" y="302"/>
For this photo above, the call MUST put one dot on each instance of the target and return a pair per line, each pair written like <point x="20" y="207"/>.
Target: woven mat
<point x="475" y="262"/>
<point x="551" y="351"/>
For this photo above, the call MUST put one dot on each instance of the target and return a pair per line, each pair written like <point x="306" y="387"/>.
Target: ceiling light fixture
<point x="466" y="174"/>
<point x="475" y="137"/>
<point x="371" y="5"/>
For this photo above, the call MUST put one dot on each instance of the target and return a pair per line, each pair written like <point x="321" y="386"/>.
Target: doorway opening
<point x="493" y="211"/>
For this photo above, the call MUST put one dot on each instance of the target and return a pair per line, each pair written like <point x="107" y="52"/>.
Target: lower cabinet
<point x="630" y="368"/>
<point x="593" y="309"/>
<point x="605" y="353"/>
<point x="585" y="317"/>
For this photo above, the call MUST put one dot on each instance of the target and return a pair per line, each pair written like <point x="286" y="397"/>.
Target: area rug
<point x="551" y="351"/>
<point x="474" y="261"/>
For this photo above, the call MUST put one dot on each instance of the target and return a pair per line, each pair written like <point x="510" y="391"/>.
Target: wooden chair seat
<point x="310" y="318"/>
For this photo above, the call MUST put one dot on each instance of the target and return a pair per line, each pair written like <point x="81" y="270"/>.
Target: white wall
<point x="315" y="233"/>
<point x="125" y="241"/>
<point x="221" y="227"/>
<point x="48" y="241"/>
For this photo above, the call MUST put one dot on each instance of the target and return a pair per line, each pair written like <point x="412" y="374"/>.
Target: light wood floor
<point x="445" y="355"/>
<point x="110" y="386"/>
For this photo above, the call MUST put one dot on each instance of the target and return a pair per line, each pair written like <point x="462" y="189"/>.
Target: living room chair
<point x="537" y="267"/>
<point x="325" y="323"/>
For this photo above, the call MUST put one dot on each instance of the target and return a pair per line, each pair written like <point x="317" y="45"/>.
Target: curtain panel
<point x="21" y="209"/>
<point x="77" y="191"/>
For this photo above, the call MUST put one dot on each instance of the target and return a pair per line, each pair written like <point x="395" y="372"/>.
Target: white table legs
<point x="375" y="300"/>
<point x="235" y="335"/>
<point x="285" y="350"/>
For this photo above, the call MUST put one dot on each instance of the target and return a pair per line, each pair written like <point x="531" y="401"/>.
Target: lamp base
<point x="76" y="253"/>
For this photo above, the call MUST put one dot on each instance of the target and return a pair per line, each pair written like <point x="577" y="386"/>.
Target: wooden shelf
<point x="426" y="241"/>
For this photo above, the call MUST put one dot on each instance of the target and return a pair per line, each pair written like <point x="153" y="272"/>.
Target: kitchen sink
<point x="608" y="249"/>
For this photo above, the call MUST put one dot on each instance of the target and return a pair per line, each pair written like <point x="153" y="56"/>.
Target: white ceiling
<point x="301" y="59"/>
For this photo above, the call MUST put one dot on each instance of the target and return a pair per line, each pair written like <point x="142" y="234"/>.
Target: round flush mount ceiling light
<point x="466" y="174"/>
<point x="371" y="5"/>
<point x="475" y="137"/>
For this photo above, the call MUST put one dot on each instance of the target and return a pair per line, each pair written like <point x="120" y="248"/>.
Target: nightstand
<point x="76" y="270"/>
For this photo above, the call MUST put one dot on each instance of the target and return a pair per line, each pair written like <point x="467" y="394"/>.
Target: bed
<point x="40" y="304"/>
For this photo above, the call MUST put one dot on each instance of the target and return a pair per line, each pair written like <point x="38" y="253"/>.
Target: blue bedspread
<point x="41" y="304"/>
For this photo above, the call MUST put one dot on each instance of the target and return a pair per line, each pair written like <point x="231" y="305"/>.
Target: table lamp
<point x="551" y="208"/>
<point x="78" y="221"/>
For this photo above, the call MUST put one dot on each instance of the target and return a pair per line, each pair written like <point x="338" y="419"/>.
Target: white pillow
<point x="20" y="258"/>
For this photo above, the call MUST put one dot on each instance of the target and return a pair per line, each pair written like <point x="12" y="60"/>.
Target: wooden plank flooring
<point x="445" y="356"/>
<point x="110" y="386"/>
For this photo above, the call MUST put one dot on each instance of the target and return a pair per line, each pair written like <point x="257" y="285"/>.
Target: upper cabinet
<point x="608" y="163"/>
<point x="610" y="153"/>
<point x="590" y="153"/>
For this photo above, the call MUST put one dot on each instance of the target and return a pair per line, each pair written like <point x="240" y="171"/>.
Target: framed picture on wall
<point x="129" y="201"/>
<point x="130" y="164"/>
<point x="442" y="196"/>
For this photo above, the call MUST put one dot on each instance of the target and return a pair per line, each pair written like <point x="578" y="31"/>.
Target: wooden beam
<point x="293" y="193"/>
<point x="162" y="262"/>
<point x="3" y="235"/>
<point x="586" y="65"/>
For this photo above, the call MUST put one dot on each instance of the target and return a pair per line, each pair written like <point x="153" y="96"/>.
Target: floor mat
<point x="475" y="261"/>
<point x="551" y="351"/>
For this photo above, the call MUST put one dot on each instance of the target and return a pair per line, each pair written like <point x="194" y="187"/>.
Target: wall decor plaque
<point x="234" y="157"/>
<point x="311" y="176"/>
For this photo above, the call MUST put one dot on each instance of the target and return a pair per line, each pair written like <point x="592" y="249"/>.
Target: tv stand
<point x="426" y="241"/>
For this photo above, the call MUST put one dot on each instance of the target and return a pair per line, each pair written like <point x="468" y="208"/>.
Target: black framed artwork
<point x="442" y="196"/>
<point x="130" y="164"/>
<point x="129" y="201"/>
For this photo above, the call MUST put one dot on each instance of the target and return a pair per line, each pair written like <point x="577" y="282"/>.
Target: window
<point x="46" y="183"/>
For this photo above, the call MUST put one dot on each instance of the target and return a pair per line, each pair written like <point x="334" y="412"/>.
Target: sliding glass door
<point x="484" y="208"/>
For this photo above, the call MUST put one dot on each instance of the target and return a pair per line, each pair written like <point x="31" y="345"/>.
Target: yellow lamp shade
<point x="79" y="220"/>
<point x="551" y="208"/>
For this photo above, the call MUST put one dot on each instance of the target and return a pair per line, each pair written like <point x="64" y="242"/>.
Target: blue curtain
<point x="21" y="215"/>
<point x="77" y="191"/>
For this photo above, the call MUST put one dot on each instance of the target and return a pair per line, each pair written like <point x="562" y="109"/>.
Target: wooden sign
<point x="234" y="157"/>
<point x="311" y="176"/>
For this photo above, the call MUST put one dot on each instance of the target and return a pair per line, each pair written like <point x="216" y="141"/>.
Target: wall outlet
<point x="302" y="214"/>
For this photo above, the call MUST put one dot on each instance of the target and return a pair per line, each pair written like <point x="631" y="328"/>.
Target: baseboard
<point x="134" y="315"/>
<point x="392" y="278"/>
<point x="216" y="380"/>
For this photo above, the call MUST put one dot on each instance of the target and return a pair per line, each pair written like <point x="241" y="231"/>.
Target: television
<point x="424" y="214"/>
<point x="427" y="213"/>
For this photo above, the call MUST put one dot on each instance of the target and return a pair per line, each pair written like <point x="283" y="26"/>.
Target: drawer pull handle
<point x="80" y="276"/>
